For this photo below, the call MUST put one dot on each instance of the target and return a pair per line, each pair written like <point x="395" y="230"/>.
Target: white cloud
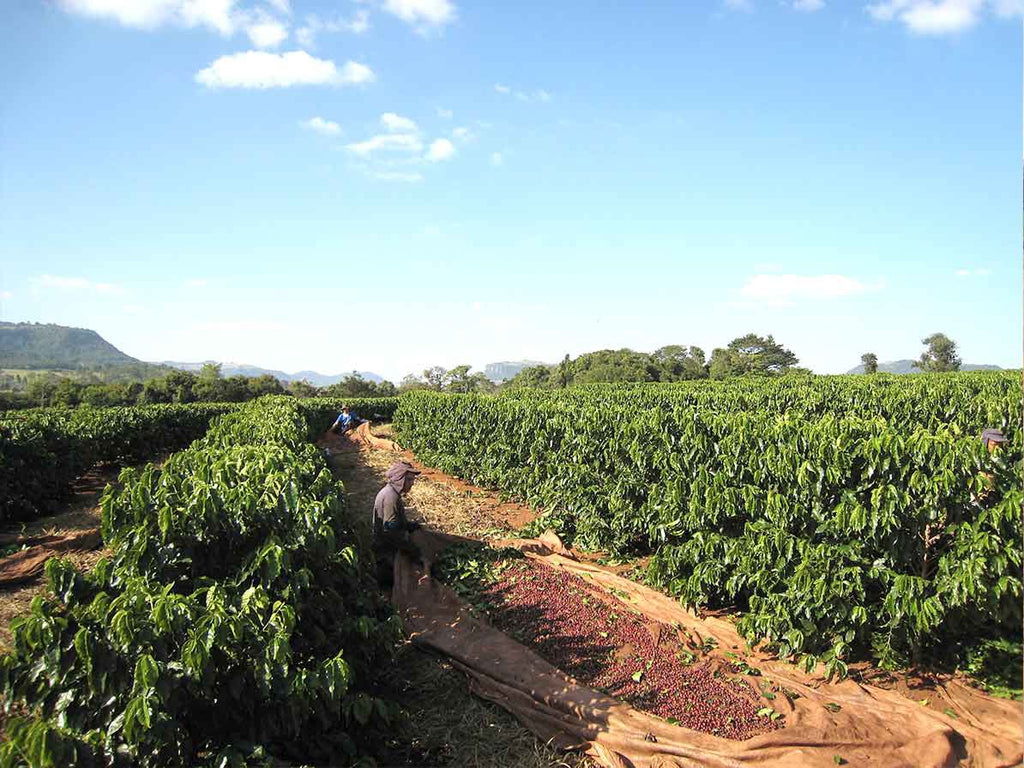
<point x="781" y="290"/>
<point x="396" y="154"/>
<point x="976" y="272"/>
<point x="397" y="124"/>
<point x="6" y="295"/>
<point x="219" y="15"/>
<point x="538" y="95"/>
<point x="267" y="32"/>
<point x="445" y="114"/>
<point x="940" y="17"/>
<point x="739" y="5"/>
<point x="808" y="5"/>
<point x="359" y="23"/>
<point x="440" y="149"/>
<point x="306" y="34"/>
<point x="387" y="142"/>
<point x="131" y="309"/>
<point x="305" y="37"/>
<point x="422" y="13"/>
<point x="260" y="69"/>
<point x="196" y="282"/>
<point x="497" y="159"/>
<point x="408" y="177"/>
<point x="282" y="6"/>
<point x="463" y="134"/>
<point x="75" y="285"/>
<point x="322" y="126"/>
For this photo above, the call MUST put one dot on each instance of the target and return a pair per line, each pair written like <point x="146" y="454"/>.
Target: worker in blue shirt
<point x="346" y="420"/>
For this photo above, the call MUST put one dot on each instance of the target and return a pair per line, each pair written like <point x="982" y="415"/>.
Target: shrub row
<point x="835" y="536"/>
<point x="235" y="622"/>
<point x="971" y="401"/>
<point x="43" y="451"/>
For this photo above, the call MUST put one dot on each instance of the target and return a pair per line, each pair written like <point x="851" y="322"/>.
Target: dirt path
<point x="439" y="501"/>
<point x="81" y="514"/>
<point x="447" y="725"/>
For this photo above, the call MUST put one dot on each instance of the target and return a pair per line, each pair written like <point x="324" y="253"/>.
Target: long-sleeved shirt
<point x="389" y="511"/>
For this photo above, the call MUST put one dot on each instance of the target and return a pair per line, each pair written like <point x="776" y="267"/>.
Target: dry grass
<point x="447" y="726"/>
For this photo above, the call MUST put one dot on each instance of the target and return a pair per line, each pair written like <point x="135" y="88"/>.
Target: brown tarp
<point x="355" y="439"/>
<point x="862" y="724"/>
<point x="29" y="563"/>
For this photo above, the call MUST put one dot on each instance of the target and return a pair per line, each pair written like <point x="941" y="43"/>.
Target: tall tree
<point x="613" y="365"/>
<point x="301" y="388"/>
<point x="409" y="383"/>
<point x="180" y="386"/>
<point x="435" y="377"/>
<point x="940" y="354"/>
<point x="209" y="385"/>
<point x="265" y="384"/>
<point x="459" y="380"/>
<point x="41" y="387"/>
<point x="538" y="377"/>
<point x="751" y="355"/>
<point x="870" y="361"/>
<point x="564" y="372"/>
<point x="677" y="363"/>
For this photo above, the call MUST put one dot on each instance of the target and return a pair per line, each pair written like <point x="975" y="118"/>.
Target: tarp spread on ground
<point x="827" y="724"/>
<point x="355" y="439"/>
<point x="29" y="562"/>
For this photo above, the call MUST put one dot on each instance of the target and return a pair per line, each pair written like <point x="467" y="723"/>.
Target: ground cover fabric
<point x="862" y="724"/>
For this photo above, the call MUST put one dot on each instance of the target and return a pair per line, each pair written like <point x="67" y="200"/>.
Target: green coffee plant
<point x="837" y="531"/>
<point x="235" y="621"/>
<point x="43" y="451"/>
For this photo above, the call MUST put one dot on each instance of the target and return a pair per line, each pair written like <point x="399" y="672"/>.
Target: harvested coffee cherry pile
<point x="604" y="644"/>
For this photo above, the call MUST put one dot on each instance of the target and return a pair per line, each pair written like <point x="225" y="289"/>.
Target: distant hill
<point x="252" y="371"/>
<point x="499" y="372"/>
<point x="907" y="366"/>
<point x="45" y="346"/>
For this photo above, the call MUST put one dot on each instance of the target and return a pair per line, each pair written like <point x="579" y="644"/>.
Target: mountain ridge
<point x="251" y="371"/>
<point x="907" y="366"/>
<point x="48" y="346"/>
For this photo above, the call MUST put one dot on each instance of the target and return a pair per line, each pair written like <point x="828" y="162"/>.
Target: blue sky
<point x="392" y="184"/>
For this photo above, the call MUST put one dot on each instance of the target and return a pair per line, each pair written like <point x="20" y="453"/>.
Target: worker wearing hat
<point x="390" y="528"/>
<point x="993" y="440"/>
<point x="346" y="420"/>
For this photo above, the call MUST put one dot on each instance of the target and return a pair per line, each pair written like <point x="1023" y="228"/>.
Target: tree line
<point x="208" y="385"/>
<point x="940" y="356"/>
<point x="748" y="355"/>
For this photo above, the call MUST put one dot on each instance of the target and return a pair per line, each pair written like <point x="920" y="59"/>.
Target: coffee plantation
<point x="844" y="516"/>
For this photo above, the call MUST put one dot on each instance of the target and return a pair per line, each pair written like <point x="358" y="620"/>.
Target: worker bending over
<point x="390" y="528"/>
